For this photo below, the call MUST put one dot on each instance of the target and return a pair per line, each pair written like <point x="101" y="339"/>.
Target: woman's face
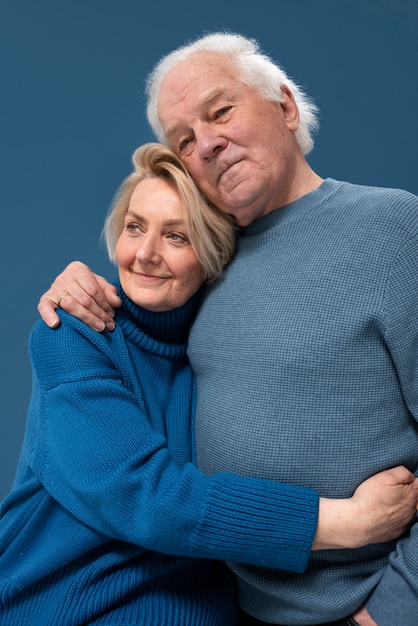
<point x="158" y="268"/>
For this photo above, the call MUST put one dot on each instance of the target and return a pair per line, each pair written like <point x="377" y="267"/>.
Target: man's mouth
<point x="230" y="175"/>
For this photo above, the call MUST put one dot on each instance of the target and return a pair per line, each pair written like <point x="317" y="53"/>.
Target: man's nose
<point x="209" y="141"/>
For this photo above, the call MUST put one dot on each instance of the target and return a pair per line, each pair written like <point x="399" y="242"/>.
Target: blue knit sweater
<point x="310" y="345"/>
<point x="105" y="488"/>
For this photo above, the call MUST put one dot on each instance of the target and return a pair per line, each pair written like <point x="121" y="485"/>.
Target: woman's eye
<point x="177" y="237"/>
<point x="132" y="228"/>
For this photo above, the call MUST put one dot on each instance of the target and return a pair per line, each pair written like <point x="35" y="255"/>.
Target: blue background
<point x="72" y="112"/>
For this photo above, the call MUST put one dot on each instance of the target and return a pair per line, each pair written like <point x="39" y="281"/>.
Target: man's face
<point x="239" y="148"/>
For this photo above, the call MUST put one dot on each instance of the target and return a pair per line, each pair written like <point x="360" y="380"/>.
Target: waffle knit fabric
<point x="108" y="521"/>
<point x="310" y="345"/>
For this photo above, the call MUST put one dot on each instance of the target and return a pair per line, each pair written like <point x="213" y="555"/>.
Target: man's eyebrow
<point x="172" y="130"/>
<point x="213" y="95"/>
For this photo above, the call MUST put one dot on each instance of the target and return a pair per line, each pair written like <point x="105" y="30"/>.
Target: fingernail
<point x="110" y="326"/>
<point x="99" y="326"/>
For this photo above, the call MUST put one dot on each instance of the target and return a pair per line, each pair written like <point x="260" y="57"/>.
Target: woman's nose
<point x="148" y="250"/>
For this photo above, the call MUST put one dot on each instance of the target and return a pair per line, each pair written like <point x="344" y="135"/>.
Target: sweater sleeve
<point x="395" y="599"/>
<point x="99" y="457"/>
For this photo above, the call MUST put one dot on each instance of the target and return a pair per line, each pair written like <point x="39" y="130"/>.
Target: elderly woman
<point x="107" y="508"/>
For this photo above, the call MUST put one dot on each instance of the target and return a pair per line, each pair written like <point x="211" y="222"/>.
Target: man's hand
<point x="83" y="294"/>
<point x="382" y="508"/>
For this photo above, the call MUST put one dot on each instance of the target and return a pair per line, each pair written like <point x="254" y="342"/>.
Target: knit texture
<point x="106" y="507"/>
<point x="309" y="345"/>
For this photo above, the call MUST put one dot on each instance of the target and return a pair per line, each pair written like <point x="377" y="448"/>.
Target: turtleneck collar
<point x="157" y="332"/>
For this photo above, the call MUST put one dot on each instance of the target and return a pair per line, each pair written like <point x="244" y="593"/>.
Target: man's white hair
<point x="256" y="69"/>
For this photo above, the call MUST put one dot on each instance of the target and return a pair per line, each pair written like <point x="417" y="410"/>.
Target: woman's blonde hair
<point x="211" y="232"/>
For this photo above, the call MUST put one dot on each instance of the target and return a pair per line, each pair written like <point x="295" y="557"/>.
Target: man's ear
<point x="290" y="109"/>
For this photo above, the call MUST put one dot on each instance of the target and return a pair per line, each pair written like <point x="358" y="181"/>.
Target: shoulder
<point x="72" y="347"/>
<point x="389" y="210"/>
<point x="71" y="330"/>
<point x="379" y="196"/>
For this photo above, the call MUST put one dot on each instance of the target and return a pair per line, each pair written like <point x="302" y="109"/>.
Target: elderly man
<point x="305" y="351"/>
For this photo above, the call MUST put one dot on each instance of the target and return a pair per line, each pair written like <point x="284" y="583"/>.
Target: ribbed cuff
<point x="260" y="522"/>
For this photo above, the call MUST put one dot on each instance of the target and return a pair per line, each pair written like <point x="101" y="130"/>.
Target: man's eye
<point x="184" y="143"/>
<point x="222" y="111"/>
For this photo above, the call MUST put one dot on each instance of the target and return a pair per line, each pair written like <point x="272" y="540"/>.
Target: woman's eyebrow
<point x="168" y="222"/>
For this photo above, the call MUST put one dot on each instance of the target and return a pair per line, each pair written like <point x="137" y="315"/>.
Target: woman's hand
<point x="83" y="294"/>
<point x="382" y="508"/>
<point x="362" y="617"/>
<point x="386" y="505"/>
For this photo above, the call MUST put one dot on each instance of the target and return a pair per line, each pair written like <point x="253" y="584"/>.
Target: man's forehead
<point x="188" y="94"/>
